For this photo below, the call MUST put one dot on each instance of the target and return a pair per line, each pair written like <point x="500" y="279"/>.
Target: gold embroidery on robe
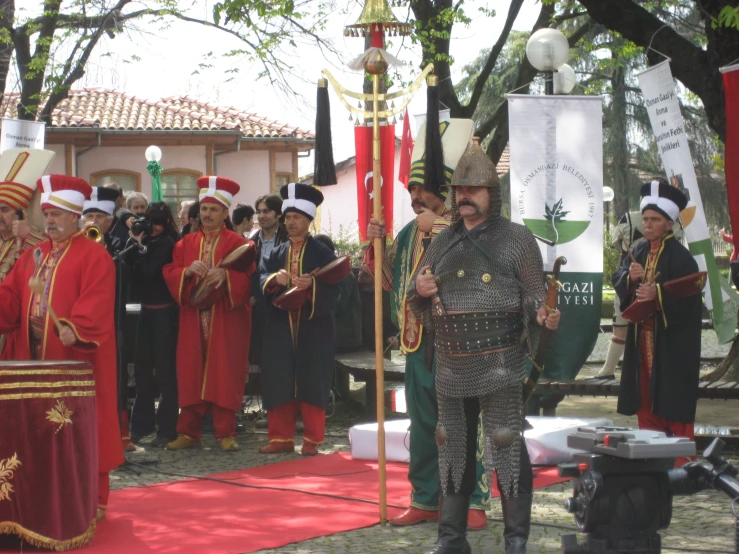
<point x="60" y="414"/>
<point x="7" y="467"/>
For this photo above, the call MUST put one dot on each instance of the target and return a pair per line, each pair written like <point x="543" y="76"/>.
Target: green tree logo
<point x="555" y="225"/>
<point x="556" y="213"/>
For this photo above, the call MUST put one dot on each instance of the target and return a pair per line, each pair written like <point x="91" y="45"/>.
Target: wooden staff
<point x="379" y="246"/>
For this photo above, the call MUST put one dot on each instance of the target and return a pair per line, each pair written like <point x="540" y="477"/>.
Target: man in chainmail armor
<point x="479" y="287"/>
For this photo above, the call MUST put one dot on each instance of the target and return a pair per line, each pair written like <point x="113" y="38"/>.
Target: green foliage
<point x="610" y="260"/>
<point x="345" y="241"/>
<point x="501" y="80"/>
<point x="727" y="17"/>
<point x="433" y="30"/>
<point x="52" y="48"/>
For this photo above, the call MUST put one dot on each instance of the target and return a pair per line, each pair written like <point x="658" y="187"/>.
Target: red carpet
<point x="205" y="516"/>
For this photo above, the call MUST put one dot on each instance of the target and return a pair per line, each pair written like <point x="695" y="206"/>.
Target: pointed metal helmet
<point x="475" y="168"/>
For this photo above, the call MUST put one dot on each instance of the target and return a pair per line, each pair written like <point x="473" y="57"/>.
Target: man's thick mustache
<point x="419" y="203"/>
<point x="471" y="205"/>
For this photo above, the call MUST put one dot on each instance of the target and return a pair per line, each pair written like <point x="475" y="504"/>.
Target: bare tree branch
<point x="487" y="69"/>
<point x="499" y="120"/>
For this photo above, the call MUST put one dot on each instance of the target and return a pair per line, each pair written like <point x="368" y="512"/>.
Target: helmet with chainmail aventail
<point x="475" y="169"/>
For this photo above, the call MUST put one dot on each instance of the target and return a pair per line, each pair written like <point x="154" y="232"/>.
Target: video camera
<point x="141" y="225"/>
<point x="624" y="482"/>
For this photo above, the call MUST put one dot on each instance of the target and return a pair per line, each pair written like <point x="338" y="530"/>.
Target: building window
<point x="129" y="181"/>
<point x="281" y="179"/>
<point x="179" y="185"/>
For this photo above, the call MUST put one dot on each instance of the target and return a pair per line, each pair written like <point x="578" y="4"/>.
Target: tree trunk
<point x="7" y="13"/>
<point x="696" y="68"/>
<point x="498" y="123"/>
<point x="619" y="151"/>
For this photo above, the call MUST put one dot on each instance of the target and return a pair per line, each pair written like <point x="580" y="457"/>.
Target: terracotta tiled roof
<point x="504" y="163"/>
<point x="112" y="110"/>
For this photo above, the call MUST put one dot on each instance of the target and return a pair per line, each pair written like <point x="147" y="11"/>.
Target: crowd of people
<point x="465" y="289"/>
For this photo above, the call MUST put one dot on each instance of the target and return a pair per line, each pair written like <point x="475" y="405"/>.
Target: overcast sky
<point x="168" y="59"/>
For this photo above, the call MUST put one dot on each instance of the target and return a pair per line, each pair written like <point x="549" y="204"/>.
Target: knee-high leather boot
<point x="453" y="525"/>
<point x="517" y="521"/>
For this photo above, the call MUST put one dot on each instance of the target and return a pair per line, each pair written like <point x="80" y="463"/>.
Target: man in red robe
<point x="213" y="342"/>
<point x="79" y="285"/>
<point x="20" y="168"/>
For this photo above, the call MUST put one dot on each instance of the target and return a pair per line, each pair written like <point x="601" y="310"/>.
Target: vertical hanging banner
<point x="365" y="176"/>
<point x="406" y="151"/>
<point x="556" y="147"/>
<point x="731" y="146"/>
<point x="660" y="99"/>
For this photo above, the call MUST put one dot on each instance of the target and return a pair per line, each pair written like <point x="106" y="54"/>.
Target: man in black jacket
<point x="99" y="210"/>
<point x="659" y="382"/>
<point x="271" y="234"/>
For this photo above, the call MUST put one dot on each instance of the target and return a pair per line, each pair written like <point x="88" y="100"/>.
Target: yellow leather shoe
<point x="229" y="444"/>
<point x="100" y="514"/>
<point x="181" y="442"/>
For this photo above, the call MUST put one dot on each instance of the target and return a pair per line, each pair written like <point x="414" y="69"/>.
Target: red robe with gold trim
<point x="82" y="294"/>
<point x="9" y="254"/>
<point x="212" y="370"/>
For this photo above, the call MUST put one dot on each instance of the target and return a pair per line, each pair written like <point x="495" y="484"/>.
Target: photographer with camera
<point x="97" y="217"/>
<point x="156" y="333"/>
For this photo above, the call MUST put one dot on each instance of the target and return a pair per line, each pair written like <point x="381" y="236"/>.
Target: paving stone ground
<point x="700" y="523"/>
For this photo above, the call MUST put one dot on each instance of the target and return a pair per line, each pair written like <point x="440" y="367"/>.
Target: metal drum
<point x="48" y="452"/>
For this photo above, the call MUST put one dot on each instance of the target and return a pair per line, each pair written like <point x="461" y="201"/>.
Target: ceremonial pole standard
<point x="376" y="20"/>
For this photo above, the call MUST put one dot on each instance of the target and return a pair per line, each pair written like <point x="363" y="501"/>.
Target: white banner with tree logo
<point x="556" y="145"/>
<point x="660" y="99"/>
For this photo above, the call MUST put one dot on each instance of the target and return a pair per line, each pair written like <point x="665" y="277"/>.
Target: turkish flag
<point x="406" y="149"/>
<point x="731" y="155"/>
<point x="365" y="180"/>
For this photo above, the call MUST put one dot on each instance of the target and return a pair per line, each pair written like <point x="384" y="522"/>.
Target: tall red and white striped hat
<point x="20" y="168"/>
<point x="64" y="192"/>
<point x="217" y="189"/>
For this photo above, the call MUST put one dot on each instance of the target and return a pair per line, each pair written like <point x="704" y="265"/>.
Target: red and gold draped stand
<point x="48" y="453"/>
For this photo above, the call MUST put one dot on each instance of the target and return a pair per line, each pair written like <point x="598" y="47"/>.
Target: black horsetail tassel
<point x="433" y="169"/>
<point x="324" y="171"/>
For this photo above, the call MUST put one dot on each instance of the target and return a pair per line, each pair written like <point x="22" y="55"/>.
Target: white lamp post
<point x="564" y="80"/>
<point x="608" y="195"/>
<point x="547" y="50"/>
<point x="153" y="154"/>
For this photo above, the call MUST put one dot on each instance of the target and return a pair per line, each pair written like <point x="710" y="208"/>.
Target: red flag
<point x="365" y="181"/>
<point x="406" y="149"/>
<point x="731" y="155"/>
